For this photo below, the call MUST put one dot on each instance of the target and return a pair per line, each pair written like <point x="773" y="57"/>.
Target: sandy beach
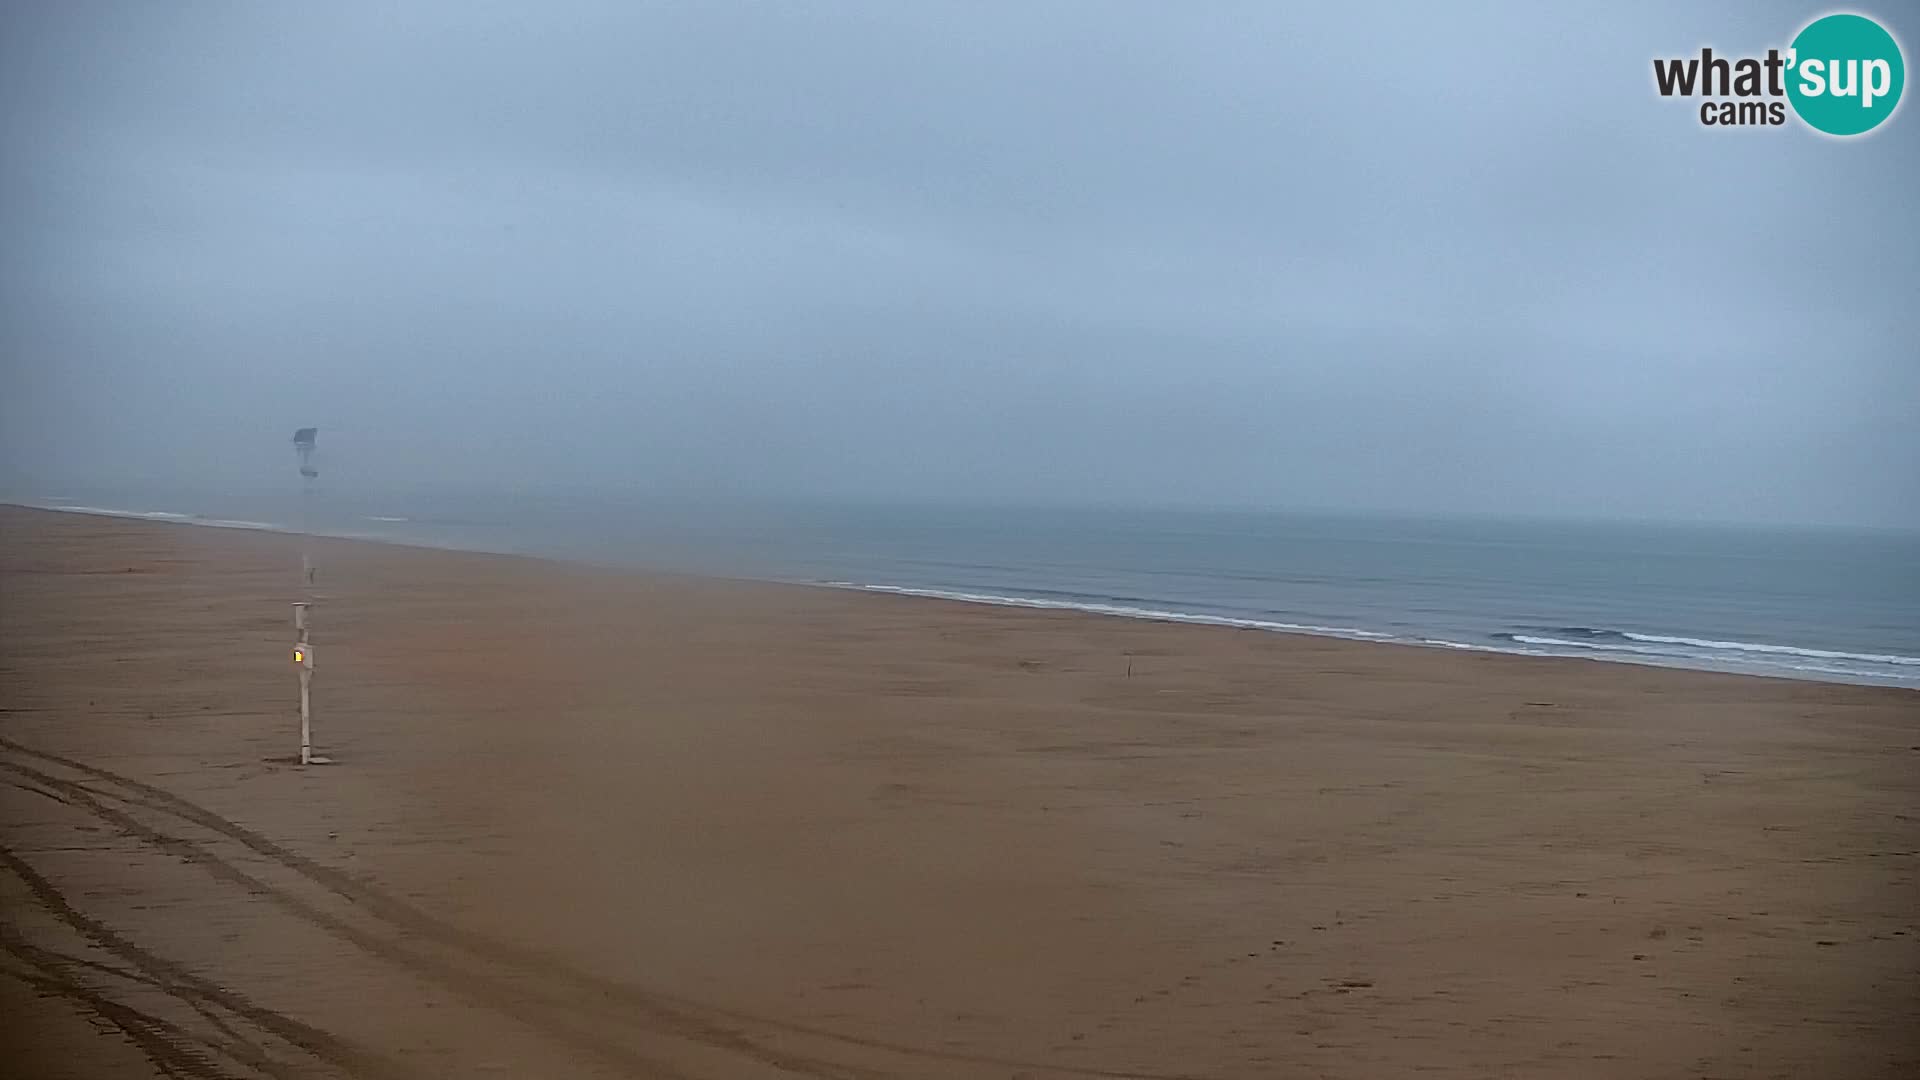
<point x="586" y="823"/>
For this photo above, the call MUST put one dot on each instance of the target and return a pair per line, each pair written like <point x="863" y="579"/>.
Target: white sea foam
<point x="1664" y="645"/>
<point x="103" y="511"/>
<point x="1467" y="646"/>
<point x="168" y="516"/>
<point x="1778" y="650"/>
<point x="1777" y="660"/>
<point x="1121" y="610"/>
<point x="1597" y="646"/>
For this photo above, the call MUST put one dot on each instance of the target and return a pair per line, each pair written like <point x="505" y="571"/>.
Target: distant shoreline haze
<point x="1822" y="603"/>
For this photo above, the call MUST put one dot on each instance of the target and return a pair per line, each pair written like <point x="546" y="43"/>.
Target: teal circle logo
<point x="1845" y="74"/>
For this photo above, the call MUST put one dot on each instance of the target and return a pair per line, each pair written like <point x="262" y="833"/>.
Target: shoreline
<point x="1169" y="616"/>
<point x="596" y="823"/>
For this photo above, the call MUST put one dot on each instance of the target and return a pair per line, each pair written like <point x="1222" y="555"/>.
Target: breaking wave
<point x="1587" y="637"/>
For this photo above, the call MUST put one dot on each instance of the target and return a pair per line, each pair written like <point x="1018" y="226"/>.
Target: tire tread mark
<point x="179" y="982"/>
<point x="209" y="1012"/>
<point x="496" y="995"/>
<point x="487" y="991"/>
<point x="59" y="966"/>
<point x="682" y="1013"/>
<point x="165" y="1045"/>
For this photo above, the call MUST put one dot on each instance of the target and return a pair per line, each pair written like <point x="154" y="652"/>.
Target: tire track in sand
<point x="476" y="987"/>
<point x="535" y="988"/>
<point x="170" y="1047"/>
<point x="167" y="977"/>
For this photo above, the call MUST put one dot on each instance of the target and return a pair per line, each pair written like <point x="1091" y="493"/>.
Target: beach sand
<point x="591" y="823"/>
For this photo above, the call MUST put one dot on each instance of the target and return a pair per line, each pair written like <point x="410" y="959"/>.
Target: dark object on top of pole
<point x="303" y="443"/>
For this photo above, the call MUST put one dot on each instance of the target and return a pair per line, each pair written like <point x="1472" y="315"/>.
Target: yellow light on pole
<point x="299" y="656"/>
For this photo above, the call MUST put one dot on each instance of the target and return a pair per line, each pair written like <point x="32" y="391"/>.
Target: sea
<point x="1830" y="604"/>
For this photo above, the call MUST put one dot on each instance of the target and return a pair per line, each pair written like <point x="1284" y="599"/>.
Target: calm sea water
<point x="1809" y="603"/>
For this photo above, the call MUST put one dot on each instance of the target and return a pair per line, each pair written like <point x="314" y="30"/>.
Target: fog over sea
<point x="1813" y="603"/>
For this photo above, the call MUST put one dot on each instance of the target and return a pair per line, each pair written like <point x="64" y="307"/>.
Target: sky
<point x="1422" y="258"/>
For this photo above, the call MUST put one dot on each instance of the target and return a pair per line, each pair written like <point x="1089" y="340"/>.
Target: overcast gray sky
<point x="1406" y="257"/>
